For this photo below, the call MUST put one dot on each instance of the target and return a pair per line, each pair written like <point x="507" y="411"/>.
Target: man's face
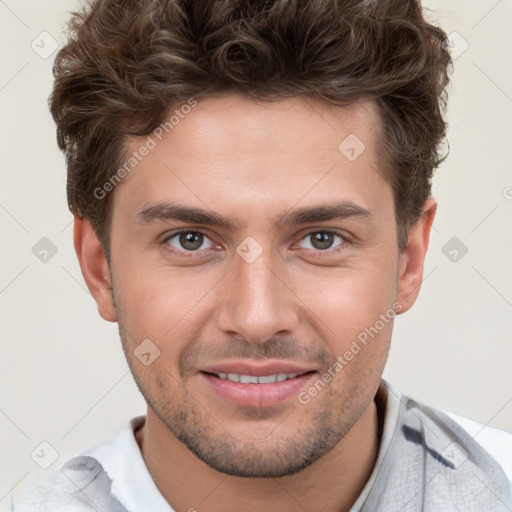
<point x="259" y="298"/>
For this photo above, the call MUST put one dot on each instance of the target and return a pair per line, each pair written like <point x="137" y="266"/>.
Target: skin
<point x="297" y="302"/>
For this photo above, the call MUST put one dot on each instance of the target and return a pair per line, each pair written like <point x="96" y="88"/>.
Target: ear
<point x="410" y="274"/>
<point x="94" y="267"/>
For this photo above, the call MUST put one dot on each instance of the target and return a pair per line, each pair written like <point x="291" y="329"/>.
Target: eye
<point x="188" y="241"/>
<point x="322" y="240"/>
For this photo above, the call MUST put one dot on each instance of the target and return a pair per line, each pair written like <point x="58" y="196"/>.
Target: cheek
<point x="349" y="300"/>
<point x="356" y="311"/>
<point x="163" y="304"/>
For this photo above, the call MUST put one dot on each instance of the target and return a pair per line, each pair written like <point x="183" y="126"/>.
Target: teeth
<point x="253" y="379"/>
<point x="248" y="379"/>
<point x="266" y="379"/>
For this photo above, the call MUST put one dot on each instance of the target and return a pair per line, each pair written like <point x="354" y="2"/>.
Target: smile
<point x="249" y="390"/>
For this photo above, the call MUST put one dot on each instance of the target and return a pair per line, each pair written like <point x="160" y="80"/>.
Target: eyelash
<point x="191" y="254"/>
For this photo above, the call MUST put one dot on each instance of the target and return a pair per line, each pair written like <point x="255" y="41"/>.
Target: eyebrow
<point x="174" y="211"/>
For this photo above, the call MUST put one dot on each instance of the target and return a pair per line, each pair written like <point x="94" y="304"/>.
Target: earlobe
<point x="95" y="270"/>
<point x="410" y="273"/>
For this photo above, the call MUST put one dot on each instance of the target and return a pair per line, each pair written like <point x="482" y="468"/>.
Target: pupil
<point x="191" y="240"/>
<point x="322" y="240"/>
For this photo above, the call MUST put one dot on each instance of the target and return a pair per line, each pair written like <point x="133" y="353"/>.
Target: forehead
<point x="234" y="152"/>
<point x="236" y="127"/>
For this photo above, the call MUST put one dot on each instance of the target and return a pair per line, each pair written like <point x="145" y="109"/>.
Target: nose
<point x="256" y="302"/>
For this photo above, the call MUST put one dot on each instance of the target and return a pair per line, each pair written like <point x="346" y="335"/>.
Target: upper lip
<point x="257" y="369"/>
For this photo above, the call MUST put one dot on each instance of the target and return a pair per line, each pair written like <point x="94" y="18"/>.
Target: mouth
<point x="248" y="385"/>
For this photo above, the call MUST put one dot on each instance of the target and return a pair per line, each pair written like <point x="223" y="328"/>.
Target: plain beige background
<point x="64" y="377"/>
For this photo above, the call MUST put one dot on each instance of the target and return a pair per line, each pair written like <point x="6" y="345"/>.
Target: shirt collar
<point x="132" y="484"/>
<point x="388" y="400"/>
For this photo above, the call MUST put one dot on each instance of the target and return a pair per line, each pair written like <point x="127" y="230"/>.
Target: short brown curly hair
<point x="127" y="63"/>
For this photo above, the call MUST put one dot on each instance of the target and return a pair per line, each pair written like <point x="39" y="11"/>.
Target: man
<point x="251" y="190"/>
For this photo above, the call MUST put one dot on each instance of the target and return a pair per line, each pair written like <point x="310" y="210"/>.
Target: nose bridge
<point x="256" y="303"/>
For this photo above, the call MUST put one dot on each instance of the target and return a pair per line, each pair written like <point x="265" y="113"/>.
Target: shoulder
<point x="496" y="442"/>
<point x="79" y="485"/>
<point x="437" y="460"/>
<point x="469" y="471"/>
<point x="440" y="426"/>
<point x="84" y="482"/>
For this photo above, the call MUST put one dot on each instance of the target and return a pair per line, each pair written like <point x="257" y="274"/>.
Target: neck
<point x="331" y="484"/>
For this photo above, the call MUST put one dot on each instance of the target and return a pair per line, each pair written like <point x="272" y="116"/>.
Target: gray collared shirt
<point x="427" y="462"/>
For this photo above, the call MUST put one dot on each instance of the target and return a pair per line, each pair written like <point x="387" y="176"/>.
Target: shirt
<point x="427" y="461"/>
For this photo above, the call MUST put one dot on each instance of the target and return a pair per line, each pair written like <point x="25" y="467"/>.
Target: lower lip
<point x="257" y="395"/>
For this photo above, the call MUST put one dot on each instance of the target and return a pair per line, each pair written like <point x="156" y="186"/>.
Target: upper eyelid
<point x="181" y="231"/>
<point x="330" y="231"/>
